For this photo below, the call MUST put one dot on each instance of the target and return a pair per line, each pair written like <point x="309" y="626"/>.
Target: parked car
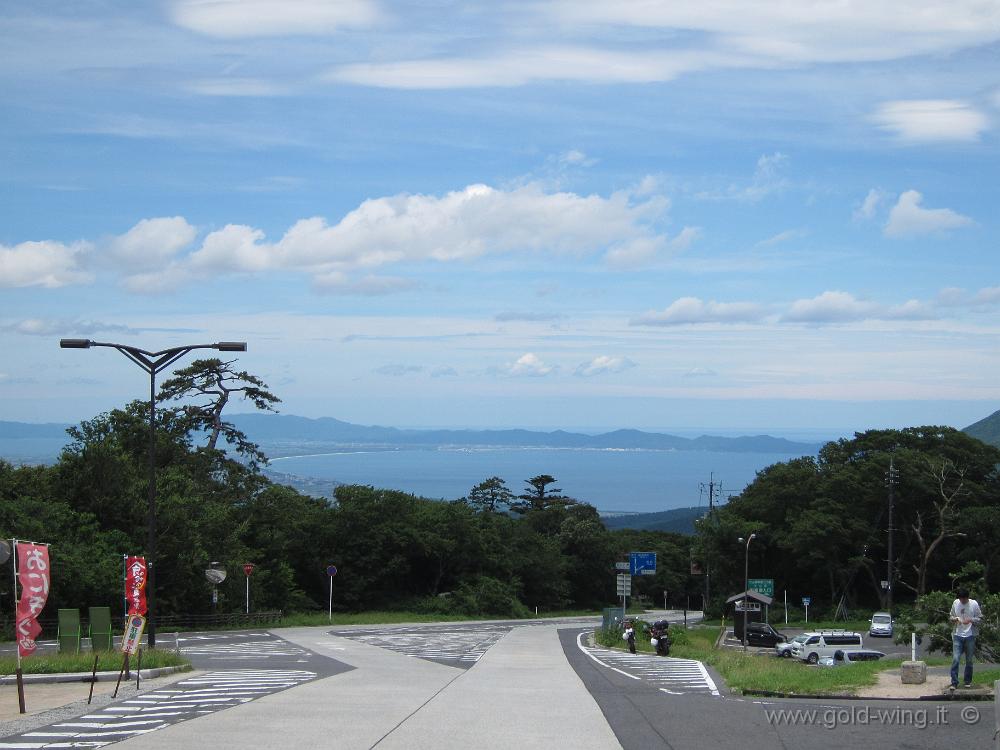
<point x="785" y="649"/>
<point x="823" y="644"/>
<point x="846" y="657"/>
<point x="881" y="625"/>
<point x="763" y="634"/>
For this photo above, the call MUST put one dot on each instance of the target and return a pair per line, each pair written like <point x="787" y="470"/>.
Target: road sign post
<point x="806" y="601"/>
<point x="248" y="569"/>
<point x="642" y="563"/>
<point x="763" y="586"/>
<point x="624" y="588"/>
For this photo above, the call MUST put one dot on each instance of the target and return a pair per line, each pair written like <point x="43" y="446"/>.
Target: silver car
<point x="881" y="625"/>
<point x="785" y="649"/>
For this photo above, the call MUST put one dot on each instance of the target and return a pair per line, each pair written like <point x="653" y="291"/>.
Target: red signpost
<point x="248" y="569"/>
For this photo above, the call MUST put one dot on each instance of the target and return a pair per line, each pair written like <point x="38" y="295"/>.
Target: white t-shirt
<point x="968" y="615"/>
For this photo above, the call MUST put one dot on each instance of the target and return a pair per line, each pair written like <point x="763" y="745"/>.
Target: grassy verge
<point x="108" y="661"/>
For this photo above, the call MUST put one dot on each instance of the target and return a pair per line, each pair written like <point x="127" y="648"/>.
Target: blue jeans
<point x="962" y="645"/>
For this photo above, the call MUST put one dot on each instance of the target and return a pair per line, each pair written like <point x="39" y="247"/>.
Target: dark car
<point x="762" y="634"/>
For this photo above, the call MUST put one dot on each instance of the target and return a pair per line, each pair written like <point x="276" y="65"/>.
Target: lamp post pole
<point x="746" y="585"/>
<point x="152" y="363"/>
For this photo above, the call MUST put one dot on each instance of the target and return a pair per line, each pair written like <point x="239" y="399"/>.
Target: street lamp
<point x="746" y="585"/>
<point x="152" y="363"/>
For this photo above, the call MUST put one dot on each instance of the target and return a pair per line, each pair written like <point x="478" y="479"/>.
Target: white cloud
<point x="236" y="86"/>
<point x="47" y="264"/>
<point x="805" y="30"/>
<point x="55" y="327"/>
<point x="687" y="310"/>
<point x="458" y="226"/>
<point x="524" y="66"/>
<point x="233" y="19"/>
<point x="830" y="307"/>
<point x="768" y="178"/>
<point x="151" y="243"/>
<point x="988" y="296"/>
<point x="870" y="204"/>
<point x="603" y="364"/>
<point x="843" y="307"/>
<point x="371" y="285"/>
<point x="782" y="237"/>
<point x="926" y="120"/>
<point x="908" y="217"/>
<point x="529" y="365"/>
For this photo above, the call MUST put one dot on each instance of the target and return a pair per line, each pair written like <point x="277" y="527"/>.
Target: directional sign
<point x="763" y="586"/>
<point x="642" y="563"/>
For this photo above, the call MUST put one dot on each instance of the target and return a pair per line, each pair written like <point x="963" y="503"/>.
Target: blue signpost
<point x="642" y="563"/>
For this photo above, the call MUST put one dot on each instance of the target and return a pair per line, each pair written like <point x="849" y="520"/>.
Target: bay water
<point x="614" y="481"/>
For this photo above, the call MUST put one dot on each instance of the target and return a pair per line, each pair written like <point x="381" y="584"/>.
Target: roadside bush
<point x="484" y="595"/>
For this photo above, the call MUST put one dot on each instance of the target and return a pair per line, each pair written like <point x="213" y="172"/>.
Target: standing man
<point x="965" y="617"/>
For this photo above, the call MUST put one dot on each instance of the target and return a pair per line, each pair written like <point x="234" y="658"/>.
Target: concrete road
<point x="522" y="693"/>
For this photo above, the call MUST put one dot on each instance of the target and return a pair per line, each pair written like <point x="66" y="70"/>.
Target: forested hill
<point x="987" y="430"/>
<point x="277" y="431"/>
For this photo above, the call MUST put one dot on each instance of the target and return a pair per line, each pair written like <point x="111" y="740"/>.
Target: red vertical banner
<point x="135" y="585"/>
<point x="34" y="576"/>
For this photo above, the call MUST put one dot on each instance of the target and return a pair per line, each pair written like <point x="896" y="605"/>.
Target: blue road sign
<point x="806" y="601"/>
<point x="642" y="563"/>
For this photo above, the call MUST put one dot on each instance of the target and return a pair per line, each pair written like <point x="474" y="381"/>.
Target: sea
<point x="614" y="481"/>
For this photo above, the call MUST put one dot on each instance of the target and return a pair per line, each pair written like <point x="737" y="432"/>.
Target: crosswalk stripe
<point x="679" y="675"/>
<point x="157" y="709"/>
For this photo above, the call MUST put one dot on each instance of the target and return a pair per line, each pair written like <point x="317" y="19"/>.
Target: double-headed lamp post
<point x="746" y="585"/>
<point x="152" y="363"/>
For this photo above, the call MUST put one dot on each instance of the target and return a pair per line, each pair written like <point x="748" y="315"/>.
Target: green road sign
<point x="763" y="586"/>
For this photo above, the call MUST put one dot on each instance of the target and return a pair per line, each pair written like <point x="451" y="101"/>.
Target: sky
<point x="722" y="215"/>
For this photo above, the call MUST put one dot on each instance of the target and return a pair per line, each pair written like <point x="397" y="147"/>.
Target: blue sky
<point x="720" y="215"/>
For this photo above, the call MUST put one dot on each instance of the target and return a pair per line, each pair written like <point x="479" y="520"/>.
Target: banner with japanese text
<point x="135" y="585"/>
<point x="34" y="576"/>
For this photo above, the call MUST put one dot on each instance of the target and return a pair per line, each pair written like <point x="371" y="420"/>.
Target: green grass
<point x="984" y="676"/>
<point x="108" y="661"/>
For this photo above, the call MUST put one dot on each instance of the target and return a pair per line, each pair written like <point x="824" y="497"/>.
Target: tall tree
<point x="490" y="496"/>
<point x="539" y="496"/>
<point x="212" y="383"/>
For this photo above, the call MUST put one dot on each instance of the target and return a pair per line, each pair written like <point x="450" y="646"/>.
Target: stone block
<point x="913" y="672"/>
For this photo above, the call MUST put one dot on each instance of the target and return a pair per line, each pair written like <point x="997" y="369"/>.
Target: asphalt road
<point x="644" y="716"/>
<point x="488" y="685"/>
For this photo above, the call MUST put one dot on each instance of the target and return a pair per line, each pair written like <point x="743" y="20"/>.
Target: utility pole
<point x="712" y="488"/>
<point x="891" y="480"/>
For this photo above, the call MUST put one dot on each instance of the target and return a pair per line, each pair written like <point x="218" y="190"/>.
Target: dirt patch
<point x="889" y="685"/>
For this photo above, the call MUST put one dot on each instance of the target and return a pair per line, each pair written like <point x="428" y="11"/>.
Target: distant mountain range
<point x="281" y="434"/>
<point x="284" y="435"/>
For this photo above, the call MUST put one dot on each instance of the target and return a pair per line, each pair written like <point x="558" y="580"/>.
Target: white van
<point x="822" y="644"/>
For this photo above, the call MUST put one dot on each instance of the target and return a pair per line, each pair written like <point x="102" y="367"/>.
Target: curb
<point x="144" y="674"/>
<point x="832" y="696"/>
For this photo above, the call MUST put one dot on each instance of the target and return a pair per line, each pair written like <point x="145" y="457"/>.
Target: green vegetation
<point x="819" y="522"/>
<point x="108" y="661"/>
<point x="493" y="554"/>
